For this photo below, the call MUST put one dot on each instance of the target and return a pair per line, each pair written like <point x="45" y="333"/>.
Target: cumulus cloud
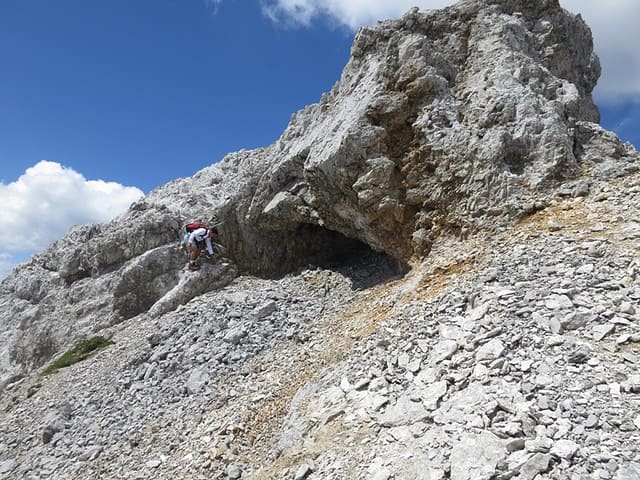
<point x="47" y="200"/>
<point x="616" y="35"/>
<point x="348" y="13"/>
<point x="614" y="24"/>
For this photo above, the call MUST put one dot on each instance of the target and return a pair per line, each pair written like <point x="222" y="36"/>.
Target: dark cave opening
<point x="311" y="246"/>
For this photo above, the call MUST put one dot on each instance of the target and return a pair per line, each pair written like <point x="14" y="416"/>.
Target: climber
<point x="196" y="238"/>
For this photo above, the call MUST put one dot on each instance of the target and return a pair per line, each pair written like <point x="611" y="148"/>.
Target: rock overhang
<point x="425" y="126"/>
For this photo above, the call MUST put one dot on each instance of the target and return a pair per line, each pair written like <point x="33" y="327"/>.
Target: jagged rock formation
<point x="442" y="123"/>
<point x="466" y="137"/>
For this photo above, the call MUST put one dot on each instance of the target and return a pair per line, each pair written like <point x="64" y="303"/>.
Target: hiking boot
<point x="194" y="266"/>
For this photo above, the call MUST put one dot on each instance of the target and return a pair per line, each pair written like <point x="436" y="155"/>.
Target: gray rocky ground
<point x="512" y="355"/>
<point x="433" y="274"/>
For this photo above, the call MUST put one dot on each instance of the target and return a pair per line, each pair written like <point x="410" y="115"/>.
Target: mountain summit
<point x="423" y="278"/>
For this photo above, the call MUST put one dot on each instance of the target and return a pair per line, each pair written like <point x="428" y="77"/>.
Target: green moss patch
<point x="79" y="352"/>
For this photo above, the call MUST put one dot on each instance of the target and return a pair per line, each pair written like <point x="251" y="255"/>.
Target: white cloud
<point x="213" y="5"/>
<point x="348" y="13"/>
<point x="613" y="22"/>
<point x="47" y="200"/>
<point x="615" y="29"/>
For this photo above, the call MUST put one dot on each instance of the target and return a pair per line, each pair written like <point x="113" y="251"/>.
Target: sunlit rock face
<point x="443" y="123"/>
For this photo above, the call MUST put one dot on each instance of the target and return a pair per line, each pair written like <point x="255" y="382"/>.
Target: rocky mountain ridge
<point x="431" y="274"/>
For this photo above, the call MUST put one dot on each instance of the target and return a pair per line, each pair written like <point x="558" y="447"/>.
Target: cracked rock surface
<point x="434" y="273"/>
<point x="443" y="122"/>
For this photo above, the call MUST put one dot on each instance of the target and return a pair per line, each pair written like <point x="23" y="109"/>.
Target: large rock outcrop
<point x="440" y="120"/>
<point x="467" y="136"/>
<point x="443" y="122"/>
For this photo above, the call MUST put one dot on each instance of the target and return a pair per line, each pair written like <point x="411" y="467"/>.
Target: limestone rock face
<point x="440" y="119"/>
<point x="311" y="349"/>
<point x="443" y="123"/>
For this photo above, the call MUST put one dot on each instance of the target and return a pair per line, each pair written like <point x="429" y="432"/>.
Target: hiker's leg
<point x="194" y="252"/>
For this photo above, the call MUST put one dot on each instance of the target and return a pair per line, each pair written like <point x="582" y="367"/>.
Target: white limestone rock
<point x="453" y="143"/>
<point x="475" y="457"/>
<point x="440" y="119"/>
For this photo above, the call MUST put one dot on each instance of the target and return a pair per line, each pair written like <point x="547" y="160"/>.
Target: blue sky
<point x="119" y="97"/>
<point x="141" y="92"/>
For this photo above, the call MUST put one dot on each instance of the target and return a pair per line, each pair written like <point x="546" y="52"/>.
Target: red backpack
<point x="190" y="227"/>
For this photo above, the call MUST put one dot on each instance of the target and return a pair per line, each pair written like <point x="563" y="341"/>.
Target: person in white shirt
<point x="196" y="240"/>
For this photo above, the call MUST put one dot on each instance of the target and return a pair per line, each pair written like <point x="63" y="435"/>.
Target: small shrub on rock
<point x="79" y="352"/>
